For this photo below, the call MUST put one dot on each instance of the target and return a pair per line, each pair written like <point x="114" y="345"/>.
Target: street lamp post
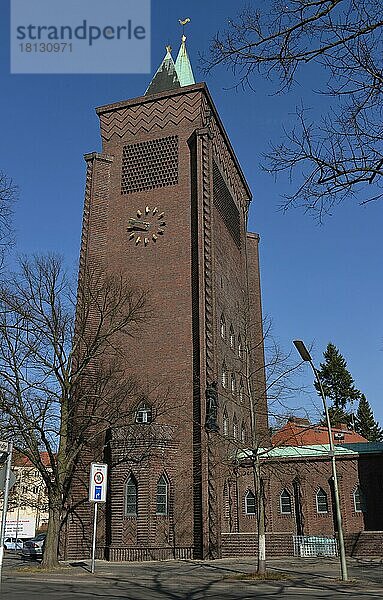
<point x="305" y="356"/>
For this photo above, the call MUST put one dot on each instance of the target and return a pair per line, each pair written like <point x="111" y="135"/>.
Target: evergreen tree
<point x="365" y="423"/>
<point x="338" y="385"/>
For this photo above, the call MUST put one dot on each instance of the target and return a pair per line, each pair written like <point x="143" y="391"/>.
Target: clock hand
<point x="134" y="224"/>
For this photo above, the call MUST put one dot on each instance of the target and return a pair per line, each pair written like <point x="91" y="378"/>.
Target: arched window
<point x="243" y="434"/>
<point x="240" y="347"/>
<point x="241" y="391"/>
<point x="233" y="383"/>
<point x="285" y="502"/>
<point x="235" y="427"/>
<point x="144" y="413"/>
<point x="225" y="423"/>
<point x="131" y="497"/>
<point x="232" y="338"/>
<point x="321" y="500"/>
<point x="250" y="506"/>
<point x="357" y="499"/>
<point x="162" y="496"/>
<point x="224" y="376"/>
<point x="223" y="327"/>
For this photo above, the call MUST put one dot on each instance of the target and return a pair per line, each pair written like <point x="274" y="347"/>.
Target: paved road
<point x="191" y="580"/>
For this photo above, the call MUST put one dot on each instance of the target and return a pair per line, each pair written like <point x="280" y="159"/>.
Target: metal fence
<point x="309" y="545"/>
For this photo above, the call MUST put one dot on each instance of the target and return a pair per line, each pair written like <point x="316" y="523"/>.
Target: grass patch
<point x="352" y="582"/>
<point x="39" y="569"/>
<point x="254" y="576"/>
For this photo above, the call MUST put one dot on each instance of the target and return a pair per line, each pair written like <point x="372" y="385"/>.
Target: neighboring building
<point x="167" y="203"/>
<point x="299" y="495"/>
<point x="28" y="503"/>
<point x="300" y="432"/>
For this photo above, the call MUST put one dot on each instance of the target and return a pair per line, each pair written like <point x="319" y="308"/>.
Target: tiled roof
<point x="19" y="460"/>
<point x="298" y="434"/>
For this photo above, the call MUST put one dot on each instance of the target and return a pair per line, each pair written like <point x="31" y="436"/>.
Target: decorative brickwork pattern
<point x="223" y="155"/>
<point x="246" y="544"/>
<point x="207" y="233"/>
<point x="149" y="116"/>
<point x="206" y="164"/>
<point x="226" y="206"/>
<point x="150" y="165"/>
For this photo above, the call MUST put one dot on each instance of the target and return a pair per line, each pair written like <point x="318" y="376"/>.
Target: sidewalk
<point x="308" y="571"/>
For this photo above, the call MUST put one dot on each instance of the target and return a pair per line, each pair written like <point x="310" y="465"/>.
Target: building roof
<point x="315" y="451"/>
<point x="166" y="77"/>
<point x="299" y="432"/>
<point x="170" y="75"/>
<point x="183" y="66"/>
<point x="19" y="460"/>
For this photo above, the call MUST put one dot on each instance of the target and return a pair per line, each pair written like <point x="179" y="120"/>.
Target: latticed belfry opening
<point x="225" y="204"/>
<point x="149" y="165"/>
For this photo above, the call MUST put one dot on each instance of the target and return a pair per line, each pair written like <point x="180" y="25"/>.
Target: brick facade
<point x="167" y="160"/>
<point x="302" y="478"/>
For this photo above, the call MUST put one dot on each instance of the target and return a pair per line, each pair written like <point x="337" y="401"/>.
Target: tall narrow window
<point x="162" y="496"/>
<point x="232" y="338"/>
<point x="235" y="427"/>
<point x="321" y="499"/>
<point x="223" y="327"/>
<point x="233" y="383"/>
<point x="250" y="506"/>
<point x="243" y="434"/>
<point x="240" y="347"/>
<point x="226" y="503"/>
<point x="224" y="376"/>
<point x="241" y="396"/>
<point x="144" y="413"/>
<point x="225" y="423"/>
<point x="285" y="502"/>
<point x="131" y="497"/>
<point x="358" y="499"/>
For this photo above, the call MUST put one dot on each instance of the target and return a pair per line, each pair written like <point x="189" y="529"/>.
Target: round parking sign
<point x="98" y="478"/>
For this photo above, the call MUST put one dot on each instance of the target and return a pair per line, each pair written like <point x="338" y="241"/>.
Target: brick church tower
<point x="166" y="203"/>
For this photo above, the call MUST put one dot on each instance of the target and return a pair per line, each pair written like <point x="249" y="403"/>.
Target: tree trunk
<point x="258" y="483"/>
<point x="261" y="533"/>
<point x="51" y="546"/>
<point x="260" y="506"/>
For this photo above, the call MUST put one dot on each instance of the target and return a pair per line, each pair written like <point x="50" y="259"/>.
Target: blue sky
<point x="319" y="283"/>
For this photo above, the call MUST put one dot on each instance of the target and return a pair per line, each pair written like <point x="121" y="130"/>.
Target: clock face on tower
<point x="146" y="226"/>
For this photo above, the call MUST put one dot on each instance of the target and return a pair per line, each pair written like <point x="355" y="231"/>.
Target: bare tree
<point x="61" y="373"/>
<point x="335" y="155"/>
<point x="263" y="374"/>
<point x="8" y="193"/>
<point x="277" y="375"/>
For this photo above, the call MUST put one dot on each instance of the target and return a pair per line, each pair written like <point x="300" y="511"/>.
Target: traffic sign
<point x="3" y="446"/>
<point x="3" y="474"/>
<point x="98" y="482"/>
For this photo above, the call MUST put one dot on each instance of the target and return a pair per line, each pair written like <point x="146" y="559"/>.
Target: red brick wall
<point x="246" y="544"/>
<point x="312" y="474"/>
<point x="191" y="273"/>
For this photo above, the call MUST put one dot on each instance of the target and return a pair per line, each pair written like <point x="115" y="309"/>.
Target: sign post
<point x="97" y="493"/>
<point x="5" y="447"/>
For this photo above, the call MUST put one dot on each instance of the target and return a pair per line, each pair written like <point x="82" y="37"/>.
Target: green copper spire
<point x="166" y="77"/>
<point x="183" y="66"/>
